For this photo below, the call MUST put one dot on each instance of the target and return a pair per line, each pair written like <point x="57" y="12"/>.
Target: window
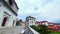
<point x="10" y="2"/>
<point x="13" y="22"/>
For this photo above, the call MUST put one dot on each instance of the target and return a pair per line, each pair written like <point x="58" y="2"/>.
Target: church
<point x="8" y="13"/>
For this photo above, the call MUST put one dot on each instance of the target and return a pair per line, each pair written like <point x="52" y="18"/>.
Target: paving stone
<point x="11" y="30"/>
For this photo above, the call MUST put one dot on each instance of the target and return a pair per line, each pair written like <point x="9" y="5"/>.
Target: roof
<point x="30" y="17"/>
<point x="54" y="23"/>
<point x="41" y="21"/>
<point x="23" y="22"/>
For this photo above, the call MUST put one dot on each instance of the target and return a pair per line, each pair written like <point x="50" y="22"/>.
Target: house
<point x="54" y="26"/>
<point x="22" y="24"/>
<point x="30" y="20"/>
<point x="41" y="22"/>
<point x="8" y="12"/>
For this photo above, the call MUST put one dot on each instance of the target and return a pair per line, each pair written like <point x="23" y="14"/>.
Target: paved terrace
<point x="11" y="30"/>
<point x="17" y="30"/>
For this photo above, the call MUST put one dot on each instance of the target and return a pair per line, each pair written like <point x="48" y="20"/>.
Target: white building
<point x="8" y="12"/>
<point x="30" y="20"/>
<point x="41" y="22"/>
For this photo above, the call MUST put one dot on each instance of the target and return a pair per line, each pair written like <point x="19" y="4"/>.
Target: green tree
<point x="43" y="29"/>
<point x="20" y="20"/>
<point x="17" y="23"/>
<point x="35" y="27"/>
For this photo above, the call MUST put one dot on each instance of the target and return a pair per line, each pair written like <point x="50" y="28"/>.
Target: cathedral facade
<point x="8" y="12"/>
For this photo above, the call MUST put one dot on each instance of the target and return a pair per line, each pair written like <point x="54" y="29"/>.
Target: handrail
<point x="35" y="32"/>
<point x="31" y="31"/>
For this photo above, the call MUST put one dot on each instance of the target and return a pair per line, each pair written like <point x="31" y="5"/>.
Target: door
<point x="4" y="21"/>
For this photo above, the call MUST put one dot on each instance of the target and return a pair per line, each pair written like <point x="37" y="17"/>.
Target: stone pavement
<point x="11" y="30"/>
<point x="17" y="30"/>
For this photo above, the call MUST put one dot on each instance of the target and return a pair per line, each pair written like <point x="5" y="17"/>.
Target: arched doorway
<point x="4" y="21"/>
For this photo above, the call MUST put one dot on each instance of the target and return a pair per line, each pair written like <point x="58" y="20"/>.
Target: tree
<point x="17" y="23"/>
<point x="43" y="29"/>
<point x="20" y="20"/>
<point x="35" y="27"/>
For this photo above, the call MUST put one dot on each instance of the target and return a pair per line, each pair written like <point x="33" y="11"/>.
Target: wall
<point x="3" y="9"/>
<point x="14" y="7"/>
<point x="31" y="21"/>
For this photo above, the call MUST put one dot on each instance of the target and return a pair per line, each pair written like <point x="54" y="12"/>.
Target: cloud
<point x="41" y="9"/>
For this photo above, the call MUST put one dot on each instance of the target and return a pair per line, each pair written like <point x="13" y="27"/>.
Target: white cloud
<point x="41" y="9"/>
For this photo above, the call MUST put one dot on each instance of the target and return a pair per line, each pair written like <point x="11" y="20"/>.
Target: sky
<point x="40" y="9"/>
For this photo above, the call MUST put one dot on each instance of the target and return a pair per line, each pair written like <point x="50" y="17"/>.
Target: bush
<point x="17" y="23"/>
<point x="35" y="28"/>
<point x="42" y="29"/>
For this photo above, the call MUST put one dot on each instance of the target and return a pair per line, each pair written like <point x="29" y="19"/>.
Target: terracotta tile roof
<point x="41" y="21"/>
<point x="54" y="23"/>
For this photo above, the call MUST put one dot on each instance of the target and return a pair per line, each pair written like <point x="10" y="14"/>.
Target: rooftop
<point x="30" y="17"/>
<point x="41" y="21"/>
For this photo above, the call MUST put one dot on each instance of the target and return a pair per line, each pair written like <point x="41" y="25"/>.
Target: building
<point x="41" y="22"/>
<point x="8" y="12"/>
<point x="54" y="26"/>
<point x="22" y="24"/>
<point x="30" y="21"/>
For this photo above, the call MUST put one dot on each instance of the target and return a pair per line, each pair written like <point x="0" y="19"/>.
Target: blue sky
<point x="40" y="9"/>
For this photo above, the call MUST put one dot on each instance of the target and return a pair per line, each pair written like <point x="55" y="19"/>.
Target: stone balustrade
<point x="33" y="31"/>
<point x="29" y="30"/>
